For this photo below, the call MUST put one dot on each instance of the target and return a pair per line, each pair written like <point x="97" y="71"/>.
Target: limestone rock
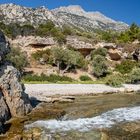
<point x="13" y="100"/>
<point x="4" y="110"/>
<point x="114" y="54"/>
<point x="31" y="44"/>
<point x="13" y="92"/>
<point x="105" y="45"/>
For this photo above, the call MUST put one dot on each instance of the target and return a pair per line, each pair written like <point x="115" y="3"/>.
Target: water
<point x="105" y="120"/>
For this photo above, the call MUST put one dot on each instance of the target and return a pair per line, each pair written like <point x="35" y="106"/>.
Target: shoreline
<point x="42" y="92"/>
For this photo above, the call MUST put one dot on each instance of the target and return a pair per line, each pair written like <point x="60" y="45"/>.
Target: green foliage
<point x="115" y="80"/>
<point x="85" y="78"/>
<point x="99" y="51"/>
<point x="123" y="37"/>
<point x="67" y="30"/>
<point x="27" y="29"/>
<point x="99" y="66"/>
<point x="130" y="35"/>
<point x="45" y="54"/>
<point x="134" y="76"/>
<point x="18" y="58"/>
<point x="66" y="58"/>
<point x="49" y="29"/>
<point x="52" y="78"/>
<point x="126" y="66"/>
<point x="45" y="29"/>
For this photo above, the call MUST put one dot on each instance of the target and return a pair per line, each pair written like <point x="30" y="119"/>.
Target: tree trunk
<point x="66" y="69"/>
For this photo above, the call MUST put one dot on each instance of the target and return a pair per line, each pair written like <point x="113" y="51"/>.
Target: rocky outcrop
<point x="31" y="44"/>
<point x="105" y="45"/>
<point x="13" y="100"/>
<point x="115" y="54"/>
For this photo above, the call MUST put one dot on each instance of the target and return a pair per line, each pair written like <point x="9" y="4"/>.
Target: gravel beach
<point x="47" y="90"/>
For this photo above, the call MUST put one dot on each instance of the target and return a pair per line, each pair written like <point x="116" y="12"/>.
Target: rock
<point x="105" y="45"/>
<point x="13" y="92"/>
<point x="4" y="46"/>
<point x="55" y="99"/>
<point x="4" y="110"/>
<point x="13" y="100"/>
<point x="114" y="54"/>
<point x="31" y="44"/>
<point x="136" y="54"/>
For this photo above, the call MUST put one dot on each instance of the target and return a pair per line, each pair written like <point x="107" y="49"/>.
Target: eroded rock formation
<point x="13" y="100"/>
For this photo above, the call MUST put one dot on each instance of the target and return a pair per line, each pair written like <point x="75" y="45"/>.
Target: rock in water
<point x="13" y="100"/>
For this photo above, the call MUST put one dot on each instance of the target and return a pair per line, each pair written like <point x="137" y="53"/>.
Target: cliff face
<point x="13" y="100"/>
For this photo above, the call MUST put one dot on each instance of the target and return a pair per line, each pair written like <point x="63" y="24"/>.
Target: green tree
<point x="66" y="59"/>
<point x="99" y="51"/>
<point x="99" y="66"/>
<point x="134" y="76"/>
<point x="18" y="58"/>
<point x="126" y="66"/>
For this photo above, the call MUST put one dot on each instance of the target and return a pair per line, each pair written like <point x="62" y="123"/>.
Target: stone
<point x="114" y="54"/>
<point x="105" y="45"/>
<point x="13" y="92"/>
<point x="13" y="100"/>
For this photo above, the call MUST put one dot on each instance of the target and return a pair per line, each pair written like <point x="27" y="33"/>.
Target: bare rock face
<point x="13" y="100"/>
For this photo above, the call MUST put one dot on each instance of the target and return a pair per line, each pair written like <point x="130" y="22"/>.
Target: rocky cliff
<point x="13" y="100"/>
<point x="73" y="16"/>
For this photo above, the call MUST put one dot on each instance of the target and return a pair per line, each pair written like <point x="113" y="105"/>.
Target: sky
<point x="127" y="11"/>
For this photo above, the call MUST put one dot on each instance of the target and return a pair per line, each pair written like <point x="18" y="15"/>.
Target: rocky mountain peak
<point x="75" y="9"/>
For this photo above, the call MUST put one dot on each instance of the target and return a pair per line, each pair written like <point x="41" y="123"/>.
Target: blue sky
<point x="123" y="10"/>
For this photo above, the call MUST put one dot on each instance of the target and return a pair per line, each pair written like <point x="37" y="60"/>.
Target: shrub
<point x="99" y="51"/>
<point x="52" y="78"/>
<point x="99" y="66"/>
<point x="114" y="80"/>
<point x="85" y="78"/>
<point x="126" y="66"/>
<point x="45" y="54"/>
<point x="18" y="58"/>
<point x="134" y="76"/>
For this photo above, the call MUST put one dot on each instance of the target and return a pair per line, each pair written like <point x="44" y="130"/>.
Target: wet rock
<point x="55" y="99"/>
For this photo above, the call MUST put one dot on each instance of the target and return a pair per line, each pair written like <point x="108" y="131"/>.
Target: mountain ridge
<point x="73" y="15"/>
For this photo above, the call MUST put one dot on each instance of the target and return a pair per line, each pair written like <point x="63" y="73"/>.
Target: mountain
<point x="76" y="16"/>
<point x="72" y="15"/>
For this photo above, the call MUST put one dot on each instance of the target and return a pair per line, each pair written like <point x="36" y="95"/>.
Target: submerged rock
<point x="13" y="100"/>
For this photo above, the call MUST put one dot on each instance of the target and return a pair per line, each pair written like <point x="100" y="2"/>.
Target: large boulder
<point x="114" y="54"/>
<point x="13" y="100"/>
<point x="13" y="91"/>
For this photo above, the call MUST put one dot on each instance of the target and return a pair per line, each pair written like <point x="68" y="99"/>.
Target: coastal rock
<point x="17" y="101"/>
<point x="13" y="100"/>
